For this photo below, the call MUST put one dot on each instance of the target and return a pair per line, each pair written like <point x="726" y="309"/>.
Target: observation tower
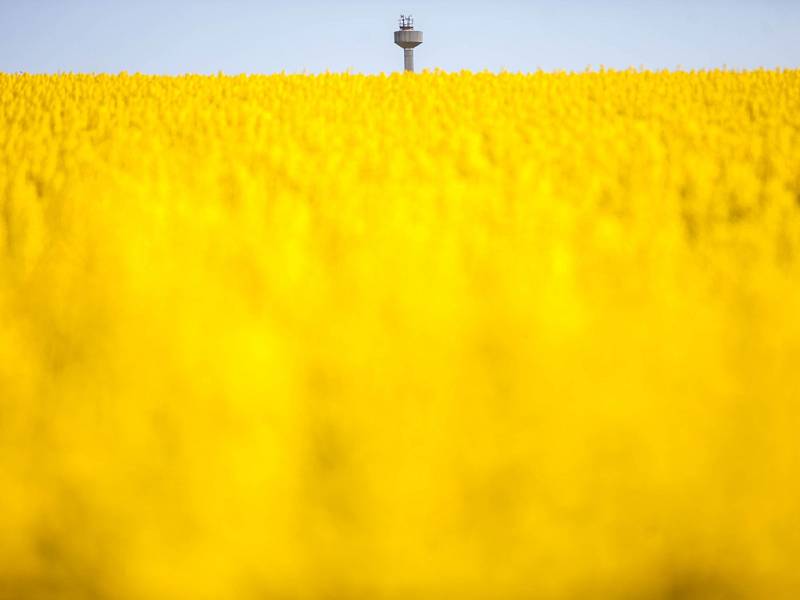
<point x="408" y="39"/>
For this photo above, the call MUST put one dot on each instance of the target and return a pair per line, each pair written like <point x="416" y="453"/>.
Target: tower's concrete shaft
<point x="408" y="39"/>
<point x="408" y="61"/>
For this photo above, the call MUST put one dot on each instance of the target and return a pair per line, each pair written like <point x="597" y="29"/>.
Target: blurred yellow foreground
<point x="445" y="336"/>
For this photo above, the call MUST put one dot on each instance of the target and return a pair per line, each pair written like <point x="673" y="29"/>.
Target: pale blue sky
<point x="263" y="36"/>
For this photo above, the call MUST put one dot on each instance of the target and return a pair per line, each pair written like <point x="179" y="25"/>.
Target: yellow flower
<point x="431" y="336"/>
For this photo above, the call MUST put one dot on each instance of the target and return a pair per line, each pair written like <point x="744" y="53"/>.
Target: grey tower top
<point x="408" y="39"/>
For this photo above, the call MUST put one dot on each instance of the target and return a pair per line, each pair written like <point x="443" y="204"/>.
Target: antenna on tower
<point x="406" y="22"/>
<point x="408" y="39"/>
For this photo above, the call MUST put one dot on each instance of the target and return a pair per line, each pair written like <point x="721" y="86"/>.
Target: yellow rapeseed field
<point x="428" y="336"/>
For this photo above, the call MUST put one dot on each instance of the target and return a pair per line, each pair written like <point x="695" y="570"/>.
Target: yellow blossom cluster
<point x="446" y="335"/>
